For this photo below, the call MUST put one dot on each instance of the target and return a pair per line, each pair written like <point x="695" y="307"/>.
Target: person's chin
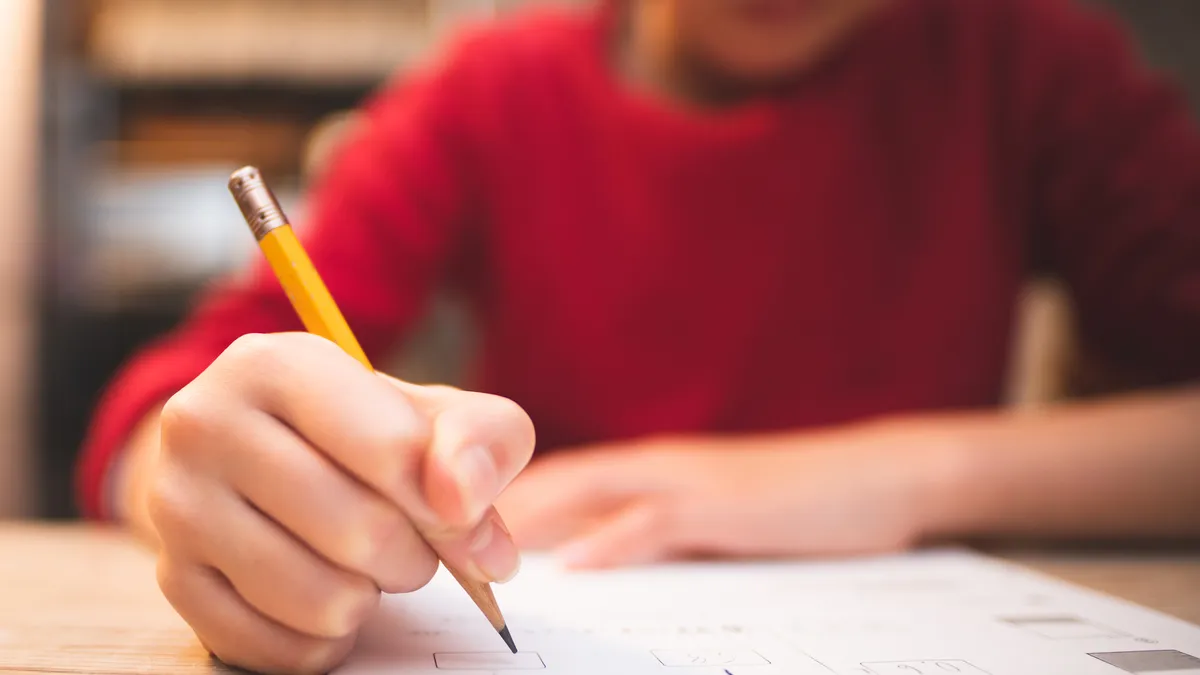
<point x="768" y="69"/>
<point x="775" y="11"/>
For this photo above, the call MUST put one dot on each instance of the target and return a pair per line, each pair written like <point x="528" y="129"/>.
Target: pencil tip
<point x="508" y="639"/>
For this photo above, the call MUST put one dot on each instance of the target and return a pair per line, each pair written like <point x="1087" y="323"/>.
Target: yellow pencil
<point x="321" y="316"/>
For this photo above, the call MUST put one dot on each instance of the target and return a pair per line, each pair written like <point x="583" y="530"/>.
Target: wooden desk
<point x="84" y="600"/>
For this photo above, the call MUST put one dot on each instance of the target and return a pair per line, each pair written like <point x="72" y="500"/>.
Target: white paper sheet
<point x="928" y="613"/>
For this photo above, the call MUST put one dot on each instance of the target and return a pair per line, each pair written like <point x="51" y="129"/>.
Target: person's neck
<point x="648" y="56"/>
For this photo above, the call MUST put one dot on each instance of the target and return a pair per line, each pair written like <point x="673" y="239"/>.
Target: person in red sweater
<point x="744" y="273"/>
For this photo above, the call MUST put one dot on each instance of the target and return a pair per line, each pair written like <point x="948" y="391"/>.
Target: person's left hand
<point x="861" y="489"/>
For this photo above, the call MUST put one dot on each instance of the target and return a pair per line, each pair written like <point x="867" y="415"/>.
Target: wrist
<point x="915" y="473"/>
<point x="947" y="504"/>
<point x="932" y="468"/>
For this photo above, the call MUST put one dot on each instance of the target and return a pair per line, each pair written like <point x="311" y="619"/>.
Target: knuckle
<point x="239" y="658"/>
<point x="168" y="510"/>
<point x="414" y="572"/>
<point x="397" y="437"/>
<point x="343" y="604"/>
<point x="321" y="657"/>
<point x="277" y="653"/>
<point x="184" y="415"/>
<point x="425" y="567"/>
<point x="361" y="547"/>
<point x="234" y="658"/>
<point x="170" y="577"/>
<point x="251" y="348"/>
<point x="315" y="346"/>
<point x="305" y="656"/>
<point x="259" y="352"/>
<point x="515" y="416"/>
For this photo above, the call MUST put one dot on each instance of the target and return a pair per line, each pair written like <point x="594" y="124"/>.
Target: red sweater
<point x="852" y="248"/>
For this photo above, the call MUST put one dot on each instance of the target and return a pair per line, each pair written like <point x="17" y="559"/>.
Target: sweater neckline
<point x="753" y="119"/>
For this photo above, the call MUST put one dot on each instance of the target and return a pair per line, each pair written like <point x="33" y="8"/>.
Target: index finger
<point x="441" y="456"/>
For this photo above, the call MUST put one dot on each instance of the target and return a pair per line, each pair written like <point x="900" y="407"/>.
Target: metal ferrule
<point x="258" y="204"/>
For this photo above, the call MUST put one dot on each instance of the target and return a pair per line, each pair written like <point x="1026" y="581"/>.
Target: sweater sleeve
<point x="1117" y="193"/>
<point x="385" y="220"/>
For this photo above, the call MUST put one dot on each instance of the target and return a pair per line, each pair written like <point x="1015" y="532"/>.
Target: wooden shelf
<point x="312" y="43"/>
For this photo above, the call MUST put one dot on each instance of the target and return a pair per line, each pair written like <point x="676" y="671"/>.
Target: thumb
<point x="479" y="443"/>
<point x="635" y="535"/>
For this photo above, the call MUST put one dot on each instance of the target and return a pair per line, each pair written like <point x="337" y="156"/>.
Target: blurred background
<point x="120" y="121"/>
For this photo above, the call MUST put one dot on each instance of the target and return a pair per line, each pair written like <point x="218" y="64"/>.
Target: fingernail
<point x="478" y="479"/>
<point x="493" y="553"/>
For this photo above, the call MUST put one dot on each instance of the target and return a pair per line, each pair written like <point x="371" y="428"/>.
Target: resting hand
<point x="859" y="490"/>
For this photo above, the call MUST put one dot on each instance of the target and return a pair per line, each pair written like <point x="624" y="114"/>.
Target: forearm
<point x="1125" y="467"/>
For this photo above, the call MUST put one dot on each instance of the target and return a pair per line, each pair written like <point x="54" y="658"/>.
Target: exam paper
<point x="931" y="613"/>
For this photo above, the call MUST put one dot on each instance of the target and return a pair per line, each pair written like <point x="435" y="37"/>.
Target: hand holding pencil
<point x="294" y="484"/>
